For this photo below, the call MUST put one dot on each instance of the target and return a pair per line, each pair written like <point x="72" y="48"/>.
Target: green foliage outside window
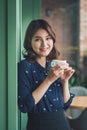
<point x="77" y="80"/>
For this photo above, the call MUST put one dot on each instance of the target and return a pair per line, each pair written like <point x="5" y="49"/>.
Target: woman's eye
<point x="48" y="38"/>
<point x="37" y="40"/>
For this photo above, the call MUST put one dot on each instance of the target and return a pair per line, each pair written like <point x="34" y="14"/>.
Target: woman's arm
<point x="68" y="72"/>
<point x="66" y="93"/>
<point x="40" y="91"/>
<point x="51" y="77"/>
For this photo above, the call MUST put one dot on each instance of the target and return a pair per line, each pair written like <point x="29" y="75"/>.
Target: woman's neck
<point x="41" y="61"/>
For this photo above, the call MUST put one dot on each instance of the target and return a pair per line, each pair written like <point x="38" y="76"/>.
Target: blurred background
<point x="69" y="21"/>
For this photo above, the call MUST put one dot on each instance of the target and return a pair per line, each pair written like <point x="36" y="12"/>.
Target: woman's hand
<point x="55" y="73"/>
<point x="62" y="70"/>
<point x="68" y="72"/>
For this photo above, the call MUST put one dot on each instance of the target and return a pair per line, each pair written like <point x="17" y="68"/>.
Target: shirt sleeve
<point x="26" y="101"/>
<point x="67" y="104"/>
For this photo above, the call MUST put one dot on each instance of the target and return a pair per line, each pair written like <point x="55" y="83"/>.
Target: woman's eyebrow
<point x="37" y="37"/>
<point x="40" y="36"/>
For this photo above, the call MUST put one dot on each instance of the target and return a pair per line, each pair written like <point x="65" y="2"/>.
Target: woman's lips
<point x="43" y="49"/>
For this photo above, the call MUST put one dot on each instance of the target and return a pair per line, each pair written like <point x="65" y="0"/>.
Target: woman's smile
<point x="43" y="49"/>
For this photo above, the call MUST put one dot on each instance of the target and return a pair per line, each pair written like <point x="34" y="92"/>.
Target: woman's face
<point x="42" y="43"/>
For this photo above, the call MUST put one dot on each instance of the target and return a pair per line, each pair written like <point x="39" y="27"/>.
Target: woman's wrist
<point x="65" y="81"/>
<point x="48" y="81"/>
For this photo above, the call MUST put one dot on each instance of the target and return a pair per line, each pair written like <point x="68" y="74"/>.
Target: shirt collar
<point x="41" y="68"/>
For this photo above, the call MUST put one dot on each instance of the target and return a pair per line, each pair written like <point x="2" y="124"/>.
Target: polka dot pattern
<point x="31" y="75"/>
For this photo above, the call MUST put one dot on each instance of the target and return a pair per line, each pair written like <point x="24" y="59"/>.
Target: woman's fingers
<point x="69" y="72"/>
<point x="57" y="73"/>
<point x="62" y="70"/>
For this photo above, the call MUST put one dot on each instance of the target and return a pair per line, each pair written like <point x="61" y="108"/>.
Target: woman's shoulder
<point x="24" y="61"/>
<point x="25" y="64"/>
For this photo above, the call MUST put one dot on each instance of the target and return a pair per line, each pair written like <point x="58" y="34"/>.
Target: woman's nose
<point x="44" y="43"/>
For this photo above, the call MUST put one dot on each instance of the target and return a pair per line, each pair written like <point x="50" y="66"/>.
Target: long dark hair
<point x="32" y="28"/>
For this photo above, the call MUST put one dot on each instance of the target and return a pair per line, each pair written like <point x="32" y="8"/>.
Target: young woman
<point x="43" y="91"/>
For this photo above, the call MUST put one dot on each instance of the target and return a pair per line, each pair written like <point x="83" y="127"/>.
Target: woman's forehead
<point x="41" y="32"/>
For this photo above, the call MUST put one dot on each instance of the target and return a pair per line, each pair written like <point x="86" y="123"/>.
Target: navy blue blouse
<point x="30" y="76"/>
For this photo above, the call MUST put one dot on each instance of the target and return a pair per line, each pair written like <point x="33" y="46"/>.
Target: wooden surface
<point x="79" y="102"/>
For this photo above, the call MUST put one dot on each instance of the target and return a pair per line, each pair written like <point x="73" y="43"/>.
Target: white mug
<point x="56" y="62"/>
